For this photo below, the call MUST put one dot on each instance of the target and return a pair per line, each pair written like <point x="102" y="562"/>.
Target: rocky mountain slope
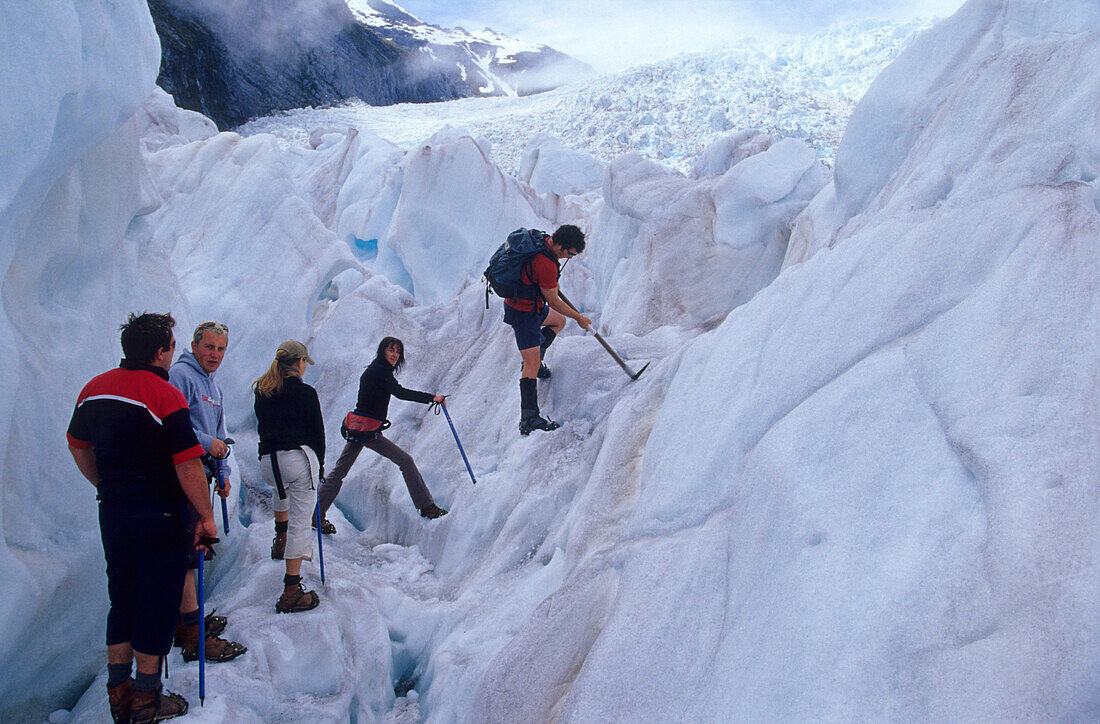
<point x="237" y="61"/>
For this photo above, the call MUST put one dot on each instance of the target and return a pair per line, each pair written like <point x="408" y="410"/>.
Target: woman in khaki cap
<point x="292" y="457"/>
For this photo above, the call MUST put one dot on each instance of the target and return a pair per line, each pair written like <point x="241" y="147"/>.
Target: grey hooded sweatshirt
<point x="204" y="398"/>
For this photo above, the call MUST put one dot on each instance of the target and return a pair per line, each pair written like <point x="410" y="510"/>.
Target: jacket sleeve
<point x="220" y="431"/>
<point x="259" y="407"/>
<point x="411" y="395"/>
<point x="365" y="384"/>
<point x="316" y="433"/>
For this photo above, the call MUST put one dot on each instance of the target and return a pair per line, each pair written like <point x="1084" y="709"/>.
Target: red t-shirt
<point x="544" y="274"/>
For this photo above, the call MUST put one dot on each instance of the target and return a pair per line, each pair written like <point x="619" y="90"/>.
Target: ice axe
<point x="626" y="368"/>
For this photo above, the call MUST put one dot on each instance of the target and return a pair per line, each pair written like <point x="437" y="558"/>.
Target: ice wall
<point x="874" y="492"/>
<point x="437" y="216"/>
<point x="72" y="74"/>
<point x="680" y="251"/>
<point x="550" y="165"/>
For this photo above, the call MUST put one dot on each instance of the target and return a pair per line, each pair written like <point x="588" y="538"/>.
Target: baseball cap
<point x="295" y="350"/>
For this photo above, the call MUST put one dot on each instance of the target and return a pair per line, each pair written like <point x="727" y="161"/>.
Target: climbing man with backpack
<point x="525" y="271"/>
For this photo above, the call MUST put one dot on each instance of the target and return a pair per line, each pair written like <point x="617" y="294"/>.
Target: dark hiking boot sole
<point x="226" y="650"/>
<point x="326" y="527"/>
<point x="526" y="427"/>
<point x="298" y="601"/>
<point x="433" y="511"/>
<point x="161" y="706"/>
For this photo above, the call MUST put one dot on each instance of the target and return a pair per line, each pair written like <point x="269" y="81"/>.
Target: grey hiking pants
<point x="335" y="479"/>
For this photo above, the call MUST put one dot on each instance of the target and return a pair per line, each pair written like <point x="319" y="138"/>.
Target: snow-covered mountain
<point x="669" y="111"/>
<point x="236" y="61"/>
<point x="857" y="481"/>
<point x="487" y="63"/>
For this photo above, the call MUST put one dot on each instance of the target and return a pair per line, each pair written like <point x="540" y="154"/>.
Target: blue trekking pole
<point x="221" y="486"/>
<point x="320" y="543"/>
<point x="202" y="630"/>
<point x="454" y="432"/>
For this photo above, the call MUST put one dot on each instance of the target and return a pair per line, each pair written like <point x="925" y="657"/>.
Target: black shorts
<point x="146" y="552"/>
<point x="526" y="325"/>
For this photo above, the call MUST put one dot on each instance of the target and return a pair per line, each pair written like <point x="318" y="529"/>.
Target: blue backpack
<point x="508" y="262"/>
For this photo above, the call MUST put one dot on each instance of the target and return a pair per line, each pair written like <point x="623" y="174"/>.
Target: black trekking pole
<point x="633" y="375"/>
<point x="221" y="486"/>
<point x="454" y="432"/>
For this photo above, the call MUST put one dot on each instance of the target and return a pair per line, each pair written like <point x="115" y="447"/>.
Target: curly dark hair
<point x="569" y="237"/>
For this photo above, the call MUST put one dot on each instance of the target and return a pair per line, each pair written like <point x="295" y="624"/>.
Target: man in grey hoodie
<point x="193" y="375"/>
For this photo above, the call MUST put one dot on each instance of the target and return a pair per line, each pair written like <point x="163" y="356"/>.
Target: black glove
<point x="209" y="546"/>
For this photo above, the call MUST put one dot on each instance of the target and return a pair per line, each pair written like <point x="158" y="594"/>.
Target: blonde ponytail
<point x="270" y="383"/>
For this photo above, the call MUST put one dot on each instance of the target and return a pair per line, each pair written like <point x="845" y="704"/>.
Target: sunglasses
<point x="215" y="327"/>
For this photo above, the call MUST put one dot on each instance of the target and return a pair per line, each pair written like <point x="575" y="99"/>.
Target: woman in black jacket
<point x="292" y="457"/>
<point x="364" y="429"/>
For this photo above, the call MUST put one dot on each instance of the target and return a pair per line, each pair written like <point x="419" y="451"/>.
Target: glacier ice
<point x="859" y="487"/>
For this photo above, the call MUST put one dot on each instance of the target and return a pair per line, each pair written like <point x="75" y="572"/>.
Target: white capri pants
<point x="298" y="469"/>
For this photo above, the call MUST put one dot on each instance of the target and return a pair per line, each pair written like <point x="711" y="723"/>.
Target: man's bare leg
<point x="120" y="654"/>
<point x="146" y="663"/>
<point x="555" y="320"/>
<point x="530" y="362"/>
<point x="190" y="597"/>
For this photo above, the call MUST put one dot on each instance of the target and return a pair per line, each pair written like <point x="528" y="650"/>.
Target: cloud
<point x="614" y="34"/>
<point x="260" y="27"/>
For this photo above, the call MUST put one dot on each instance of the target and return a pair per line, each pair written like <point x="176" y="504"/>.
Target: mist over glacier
<point x="856" y="482"/>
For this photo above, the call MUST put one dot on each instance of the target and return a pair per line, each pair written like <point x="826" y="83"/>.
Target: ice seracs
<point x="548" y="165"/>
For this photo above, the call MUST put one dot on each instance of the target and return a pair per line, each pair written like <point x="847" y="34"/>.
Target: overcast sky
<point x="614" y="34"/>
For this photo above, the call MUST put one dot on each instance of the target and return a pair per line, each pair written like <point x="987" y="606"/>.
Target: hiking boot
<point x="214" y="625"/>
<point x="326" y="527"/>
<point x="528" y="424"/>
<point x="153" y="706"/>
<point x="296" y="599"/>
<point x="216" y="649"/>
<point x="121" y="698"/>
<point x="278" y="546"/>
<point x="432" y="511"/>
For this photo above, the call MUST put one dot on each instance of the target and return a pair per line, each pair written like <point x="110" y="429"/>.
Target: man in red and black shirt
<point x="537" y="319"/>
<point x="131" y="437"/>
